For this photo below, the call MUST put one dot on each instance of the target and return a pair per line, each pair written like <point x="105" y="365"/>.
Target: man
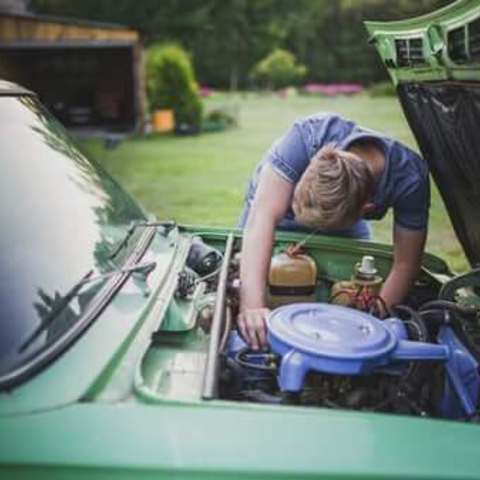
<point x="328" y="175"/>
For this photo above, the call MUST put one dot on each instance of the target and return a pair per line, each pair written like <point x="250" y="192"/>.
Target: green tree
<point x="279" y="69"/>
<point x="228" y="37"/>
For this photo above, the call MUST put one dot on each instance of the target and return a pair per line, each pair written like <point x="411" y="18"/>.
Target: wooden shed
<point x="90" y="75"/>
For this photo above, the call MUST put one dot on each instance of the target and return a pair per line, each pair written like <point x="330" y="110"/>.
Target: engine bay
<point x="332" y="343"/>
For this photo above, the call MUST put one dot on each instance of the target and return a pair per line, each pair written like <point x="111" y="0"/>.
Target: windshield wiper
<point x="144" y="268"/>
<point x="168" y="225"/>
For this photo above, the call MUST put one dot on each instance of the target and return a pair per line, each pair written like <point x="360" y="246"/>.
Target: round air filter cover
<point x="327" y="338"/>
<point x="329" y="330"/>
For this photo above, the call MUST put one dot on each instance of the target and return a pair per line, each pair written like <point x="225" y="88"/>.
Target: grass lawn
<point x="201" y="179"/>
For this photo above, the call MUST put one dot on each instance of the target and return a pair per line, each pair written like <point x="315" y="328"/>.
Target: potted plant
<point x="172" y="90"/>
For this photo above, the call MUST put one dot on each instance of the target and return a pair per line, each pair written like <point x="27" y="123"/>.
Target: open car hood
<point x="434" y="61"/>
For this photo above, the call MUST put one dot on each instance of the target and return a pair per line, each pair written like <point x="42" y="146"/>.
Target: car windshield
<point x="61" y="215"/>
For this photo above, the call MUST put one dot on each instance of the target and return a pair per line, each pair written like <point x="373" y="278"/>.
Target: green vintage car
<point x="119" y="356"/>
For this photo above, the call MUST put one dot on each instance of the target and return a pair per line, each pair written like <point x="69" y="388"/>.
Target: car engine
<point x="332" y="342"/>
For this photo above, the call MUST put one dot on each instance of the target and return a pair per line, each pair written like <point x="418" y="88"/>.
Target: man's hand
<point x="253" y="328"/>
<point x="407" y="259"/>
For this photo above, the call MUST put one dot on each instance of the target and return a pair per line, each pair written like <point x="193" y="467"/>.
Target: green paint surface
<point x="435" y="33"/>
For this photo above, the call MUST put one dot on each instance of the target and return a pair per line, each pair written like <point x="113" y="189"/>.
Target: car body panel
<point x="104" y="410"/>
<point x="101" y="345"/>
<point x="416" y="49"/>
<point x="226" y="439"/>
<point x="125" y="422"/>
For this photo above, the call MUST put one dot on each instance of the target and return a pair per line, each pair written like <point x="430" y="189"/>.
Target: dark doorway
<point x="86" y="86"/>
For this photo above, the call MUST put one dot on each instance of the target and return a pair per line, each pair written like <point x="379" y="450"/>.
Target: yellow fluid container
<point x="163" y="121"/>
<point x="291" y="279"/>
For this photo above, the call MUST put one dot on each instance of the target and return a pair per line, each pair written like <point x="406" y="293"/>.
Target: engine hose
<point x="414" y="319"/>
<point x="372" y="304"/>
<point x="378" y="307"/>
<point x="463" y="319"/>
<point x="240" y="359"/>
<point x="416" y="371"/>
<point x="469" y="279"/>
<point x="434" y="319"/>
<point x="237" y="376"/>
<point x="435" y="315"/>
<point x="447" y="305"/>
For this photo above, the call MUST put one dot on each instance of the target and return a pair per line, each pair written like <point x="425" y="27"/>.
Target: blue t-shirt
<point x="403" y="184"/>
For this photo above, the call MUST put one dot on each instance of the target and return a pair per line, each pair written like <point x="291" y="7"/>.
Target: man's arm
<point x="407" y="258"/>
<point x="272" y="200"/>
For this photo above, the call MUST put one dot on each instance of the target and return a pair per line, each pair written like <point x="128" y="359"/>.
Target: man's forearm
<point x="255" y="260"/>
<point x="408" y="250"/>
<point x="398" y="284"/>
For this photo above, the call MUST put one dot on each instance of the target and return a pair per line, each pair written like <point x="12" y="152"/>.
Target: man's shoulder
<point x="321" y="128"/>
<point x="410" y="160"/>
<point x="322" y="117"/>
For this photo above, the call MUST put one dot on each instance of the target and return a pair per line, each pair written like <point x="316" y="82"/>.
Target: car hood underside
<point x="444" y="116"/>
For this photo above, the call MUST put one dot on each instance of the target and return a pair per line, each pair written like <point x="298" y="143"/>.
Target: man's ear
<point x="367" y="208"/>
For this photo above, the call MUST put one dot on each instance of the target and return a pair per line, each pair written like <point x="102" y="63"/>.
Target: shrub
<point x="382" y="89"/>
<point x="279" y="69"/>
<point x="220" y="119"/>
<point x="171" y="84"/>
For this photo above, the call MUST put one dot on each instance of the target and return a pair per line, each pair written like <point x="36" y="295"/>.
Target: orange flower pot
<point x="163" y="121"/>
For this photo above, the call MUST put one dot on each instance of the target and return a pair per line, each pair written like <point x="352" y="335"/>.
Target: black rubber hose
<point x="237" y="375"/>
<point x="462" y="319"/>
<point x="240" y="359"/>
<point x="446" y="304"/>
<point x="415" y="318"/>
<point x="434" y="319"/>
<point x="417" y="371"/>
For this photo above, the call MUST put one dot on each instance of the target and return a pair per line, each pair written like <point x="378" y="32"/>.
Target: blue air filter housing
<point x="339" y="340"/>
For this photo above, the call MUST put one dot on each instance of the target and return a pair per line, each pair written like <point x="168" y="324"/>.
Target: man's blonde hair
<point x="333" y="189"/>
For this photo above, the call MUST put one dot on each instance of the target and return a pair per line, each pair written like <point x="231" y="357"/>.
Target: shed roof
<point x="15" y="26"/>
<point x="62" y="19"/>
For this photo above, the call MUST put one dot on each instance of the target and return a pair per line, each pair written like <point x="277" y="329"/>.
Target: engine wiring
<point x="363" y="300"/>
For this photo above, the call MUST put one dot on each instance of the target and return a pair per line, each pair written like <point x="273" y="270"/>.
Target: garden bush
<point x="382" y="89"/>
<point x="279" y="69"/>
<point x="220" y="119"/>
<point x="171" y="84"/>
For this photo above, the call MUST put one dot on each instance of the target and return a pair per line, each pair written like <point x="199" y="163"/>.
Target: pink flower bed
<point x="206" y="91"/>
<point x="332" y="89"/>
